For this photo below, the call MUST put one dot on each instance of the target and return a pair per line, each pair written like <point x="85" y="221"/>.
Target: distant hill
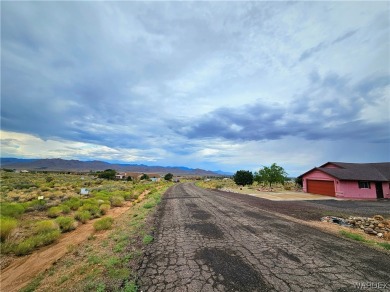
<point x="57" y="164"/>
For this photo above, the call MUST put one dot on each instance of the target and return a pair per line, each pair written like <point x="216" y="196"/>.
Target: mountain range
<point x="58" y="164"/>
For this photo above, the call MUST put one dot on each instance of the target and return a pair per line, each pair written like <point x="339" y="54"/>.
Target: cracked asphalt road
<point x="206" y="242"/>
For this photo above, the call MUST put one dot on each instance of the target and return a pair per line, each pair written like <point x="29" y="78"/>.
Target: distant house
<point x="349" y="180"/>
<point x="121" y="175"/>
<point x="155" y="177"/>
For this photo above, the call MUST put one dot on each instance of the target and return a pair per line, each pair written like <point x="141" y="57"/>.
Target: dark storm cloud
<point x="329" y="110"/>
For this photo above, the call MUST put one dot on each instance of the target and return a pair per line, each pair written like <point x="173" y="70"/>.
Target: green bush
<point x="104" y="208"/>
<point x="66" y="223"/>
<point x="93" y="209"/>
<point x="24" y="247"/>
<point x="36" y="205"/>
<point x="54" y="212"/>
<point x="73" y="203"/>
<point x="130" y="196"/>
<point x="83" y="216"/>
<point x="117" y="201"/>
<point x="20" y="185"/>
<point x="7" y="224"/>
<point x="103" y="224"/>
<point x="11" y="210"/>
<point x="65" y="209"/>
<point x="45" y="226"/>
<point x="29" y="244"/>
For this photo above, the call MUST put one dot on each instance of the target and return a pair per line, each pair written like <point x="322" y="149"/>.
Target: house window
<point x="364" y="185"/>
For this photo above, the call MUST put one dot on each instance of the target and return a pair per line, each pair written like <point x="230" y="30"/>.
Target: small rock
<point x="370" y="231"/>
<point x="380" y="235"/>
<point x="378" y="217"/>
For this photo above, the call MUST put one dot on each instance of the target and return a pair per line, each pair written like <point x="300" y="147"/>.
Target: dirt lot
<point x="216" y="241"/>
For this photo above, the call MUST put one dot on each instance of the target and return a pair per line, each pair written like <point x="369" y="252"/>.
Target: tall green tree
<point x="144" y="177"/>
<point x="243" y="177"/>
<point x="272" y="174"/>
<point x="107" y="174"/>
<point x="168" y="176"/>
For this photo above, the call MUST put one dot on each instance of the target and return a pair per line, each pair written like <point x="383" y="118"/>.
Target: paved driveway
<point x="206" y="241"/>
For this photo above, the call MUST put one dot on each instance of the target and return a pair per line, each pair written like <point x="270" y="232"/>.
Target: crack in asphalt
<point x="208" y="242"/>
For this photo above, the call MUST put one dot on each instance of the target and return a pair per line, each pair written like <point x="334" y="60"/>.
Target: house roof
<point x="356" y="171"/>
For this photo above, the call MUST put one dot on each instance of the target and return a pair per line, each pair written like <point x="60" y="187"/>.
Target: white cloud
<point x="29" y="146"/>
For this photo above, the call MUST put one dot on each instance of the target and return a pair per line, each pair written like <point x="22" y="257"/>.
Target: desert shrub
<point x="73" y="203"/>
<point x="36" y="205"/>
<point x="117" y="201"/>
<point x="29" y="244"/>
<point x="45" y="226"/>
<point x="93" y="209"/>
<point x="24" y="247"/>
<point x="66" y="223"/>
<point x="7" y="224"/>
<point x="130" y="196"/>
<point x="65" y="209"/>
<point x="24" y="185"/>
<point x="54" y="212"/>
<point x="103" y="224"/>
<point x="104" y="208"/>
<point x="11" y="210"/>
<point x="82" y="216"/>
<point x="46" y="238"/>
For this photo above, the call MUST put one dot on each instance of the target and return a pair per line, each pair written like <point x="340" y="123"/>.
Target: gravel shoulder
<point x="214" y="241"/>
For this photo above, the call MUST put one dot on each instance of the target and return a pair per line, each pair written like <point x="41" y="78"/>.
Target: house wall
<point x="386" y="190"/>
<point x="350" y="189"/>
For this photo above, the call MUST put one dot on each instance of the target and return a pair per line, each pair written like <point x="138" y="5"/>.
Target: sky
<point x="211" y="85"/>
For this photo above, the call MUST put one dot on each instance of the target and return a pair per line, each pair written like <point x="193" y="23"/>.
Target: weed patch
<point x="353" y="236"/>
<point x="385" y="245"/>
<point x="14" y="210"/>
<point x="66" y="223"/>
<point x="7" y="225"/>
<point x="82" y="216"/>
<point x="360" y="238"/>
<point x="117" y="201"/>
<point x="103" y="224"/>
<point x="147" y="239"/>
<point x="54" y="212"/>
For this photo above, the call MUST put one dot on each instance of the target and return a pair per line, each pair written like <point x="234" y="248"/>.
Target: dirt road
<point x="206" y="241"/>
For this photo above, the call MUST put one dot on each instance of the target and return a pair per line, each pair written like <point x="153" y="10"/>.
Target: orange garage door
<point x="321" y="187"/>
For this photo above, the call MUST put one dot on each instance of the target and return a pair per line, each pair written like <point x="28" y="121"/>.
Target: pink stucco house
<point x="349" y="180"/>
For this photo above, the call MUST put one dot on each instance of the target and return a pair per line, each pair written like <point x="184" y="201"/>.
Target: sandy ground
<point x="282" y="195"/>
<point x="22" y="270"/>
